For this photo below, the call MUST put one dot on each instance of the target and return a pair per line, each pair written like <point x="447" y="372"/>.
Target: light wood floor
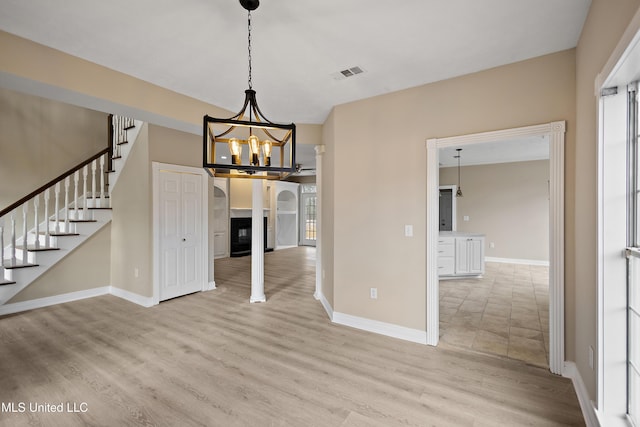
<point x="213" y="359"/>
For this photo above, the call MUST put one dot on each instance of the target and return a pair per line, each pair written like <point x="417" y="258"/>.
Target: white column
<point x="257" y="244"/>
<point x="319" y="152"/>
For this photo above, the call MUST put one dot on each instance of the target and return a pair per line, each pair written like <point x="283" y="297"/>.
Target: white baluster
<point x="56" y="228"/>
<point x="67" y="183"/>
<point x="94" y="165"/>
<point x="36" y="205"/>
<point x="25" y="211"/>
<point x="85" y="209"/>
<point x="12" y="248"/>
<point x="102" y="181"/>
<point x="46" y="218"/>
<point x="76" y="179"/>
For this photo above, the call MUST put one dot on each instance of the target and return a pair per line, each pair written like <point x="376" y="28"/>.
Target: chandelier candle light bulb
<point x="236" y="151"/>
<point x="266" y="148"/>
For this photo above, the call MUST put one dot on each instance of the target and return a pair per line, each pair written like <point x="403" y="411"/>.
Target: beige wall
<point x="240" y="193"/>
<point x="131" y="227"/>
<point x="87" y="267"/>
<point x="380" y="163"/>
<point x="509" y="203"/>
<point x="604" y="26"/>
<point x="41" y="139"/>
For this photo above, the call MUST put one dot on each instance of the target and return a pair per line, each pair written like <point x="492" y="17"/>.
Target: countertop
<point x="460" y="234"/>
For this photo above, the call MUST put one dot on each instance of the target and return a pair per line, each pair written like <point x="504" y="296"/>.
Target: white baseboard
<point x="517" y="261"/>
<point x="212" y="286"/>
<point x="586" y="405"/>
<point x="17" y="307"/>
<point x="131" y="297"/>
<point x="326" y="305"/>
<point x="382" y="328"/>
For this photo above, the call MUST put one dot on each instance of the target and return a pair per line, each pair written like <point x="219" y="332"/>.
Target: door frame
<point x="157" y="168"/>
<point x="555" y="131"/>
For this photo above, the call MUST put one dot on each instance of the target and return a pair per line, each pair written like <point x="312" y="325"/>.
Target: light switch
<point x="466" y="218"/>
<point x="408" y="230"/>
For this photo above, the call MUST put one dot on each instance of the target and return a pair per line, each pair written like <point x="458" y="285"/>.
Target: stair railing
<point x="61" y="184"/>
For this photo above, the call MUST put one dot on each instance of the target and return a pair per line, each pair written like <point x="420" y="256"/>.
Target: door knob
<point x="184" y="240"/>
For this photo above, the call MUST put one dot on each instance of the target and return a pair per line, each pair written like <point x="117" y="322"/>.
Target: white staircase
<point x="51" y="222"/>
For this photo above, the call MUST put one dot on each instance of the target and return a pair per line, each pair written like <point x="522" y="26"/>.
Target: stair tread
<point x="10" y="265"/>
<point x="129" y="127"/>
<point x="62" y="234"/>
<point x="82" y="220"/>
<point x="122" y="142"/>
<point x="116" y="157"/>
<point x="41" y="249"/>
<point x="6" y="282"/>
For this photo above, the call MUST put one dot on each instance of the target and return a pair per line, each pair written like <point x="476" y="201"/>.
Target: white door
<point x="181" y="234"/>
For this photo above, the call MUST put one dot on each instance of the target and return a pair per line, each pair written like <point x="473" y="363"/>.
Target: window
<point x="633" y="260"/>
<point x="308" y="219"/>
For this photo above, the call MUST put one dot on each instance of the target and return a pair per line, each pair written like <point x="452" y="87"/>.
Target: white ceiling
<point x="199" y="47"/>
<point x="517" y="150"/>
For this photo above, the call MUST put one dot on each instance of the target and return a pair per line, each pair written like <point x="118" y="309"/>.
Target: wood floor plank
<point x="214" y="359"/>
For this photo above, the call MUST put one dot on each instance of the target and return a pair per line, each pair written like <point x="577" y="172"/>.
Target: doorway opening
<point x="555" y="133"/>
<point x="494" y="267"/>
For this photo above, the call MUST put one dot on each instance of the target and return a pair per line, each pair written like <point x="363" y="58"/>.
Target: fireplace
<point x="240" y="236"/>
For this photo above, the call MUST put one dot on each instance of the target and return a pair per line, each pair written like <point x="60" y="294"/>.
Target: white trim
<point x="17" y="307"/>
<point x="156" y="167"/>
<point x="556" y="133"/>
<point x="320" y="149"/>
<point x="212" y="285"/>
<point x="132" y="297"/>
<point x="517" y="261"/>
<point x="327" y="306"/>
<point x="570" y="370"/>
<point x="382" y="328"/>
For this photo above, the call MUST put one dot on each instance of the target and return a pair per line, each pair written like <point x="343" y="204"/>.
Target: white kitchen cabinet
<point x="446" y="256"/>
<point x="460" y="254"/>
<point x="469" y="255"/>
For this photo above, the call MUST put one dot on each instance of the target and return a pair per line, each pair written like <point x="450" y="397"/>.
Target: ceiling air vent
<point x="349" y="72"/>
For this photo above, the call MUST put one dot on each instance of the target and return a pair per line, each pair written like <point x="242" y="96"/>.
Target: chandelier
<point x="248" y="145"/>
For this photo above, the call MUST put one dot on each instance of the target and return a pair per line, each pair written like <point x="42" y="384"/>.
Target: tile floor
<point x="505" y="313"/>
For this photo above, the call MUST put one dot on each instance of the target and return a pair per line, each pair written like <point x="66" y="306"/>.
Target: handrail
<point x="52" y="182"/>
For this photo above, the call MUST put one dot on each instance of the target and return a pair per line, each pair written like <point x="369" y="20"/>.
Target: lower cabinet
<point x="461" y="256"/>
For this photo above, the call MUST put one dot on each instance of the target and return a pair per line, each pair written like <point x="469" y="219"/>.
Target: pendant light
<point x="271" y="146"/>
<point x="459" y="192"/>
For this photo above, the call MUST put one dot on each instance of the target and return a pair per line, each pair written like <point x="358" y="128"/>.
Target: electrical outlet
<point x="465" y="218"/>
<point x="492" y="245"/>
<point x="591" y="357"/>
<point x="373" y="293"/>
<point x="408" y="230"/>
<point x="136" y="272"/>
